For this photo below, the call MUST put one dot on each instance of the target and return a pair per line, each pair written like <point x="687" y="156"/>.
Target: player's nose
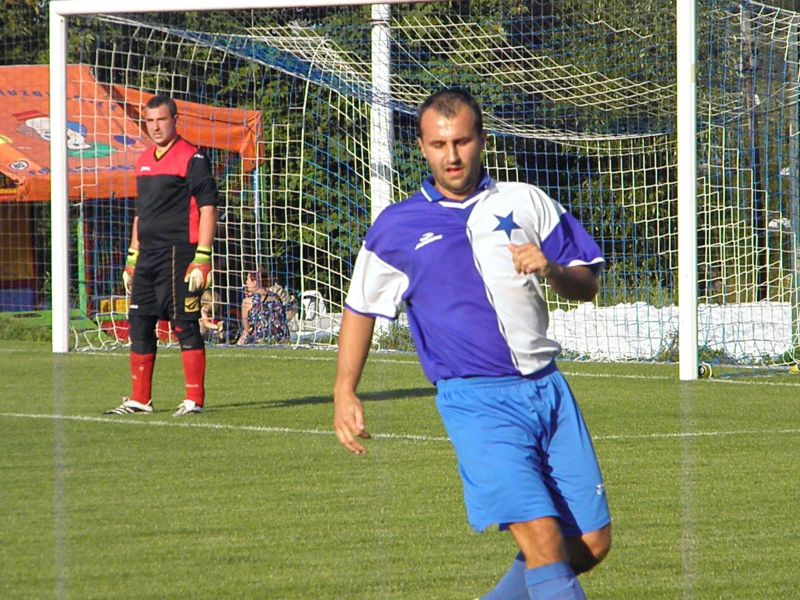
<point x="452" y="154"/>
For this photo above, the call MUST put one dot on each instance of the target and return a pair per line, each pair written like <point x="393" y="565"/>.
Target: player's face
<point x="161" y="126"/>
<point x="452" y="146"/>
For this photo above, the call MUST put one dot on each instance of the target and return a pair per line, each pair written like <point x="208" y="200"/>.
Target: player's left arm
<point x="198" y="273"/>
<point x="207" y="226"/>
<point x="204" y="189"/>
<point x="577" y="282"/>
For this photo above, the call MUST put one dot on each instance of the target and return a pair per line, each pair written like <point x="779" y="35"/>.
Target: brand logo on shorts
<point x="191" y="304"/>
<point x="600" y="489"/>
<point x="428" y="238"/>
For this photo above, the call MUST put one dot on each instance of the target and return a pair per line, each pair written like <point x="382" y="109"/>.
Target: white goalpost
<point x="687" y="189"/>
<point x="672" y="136"/>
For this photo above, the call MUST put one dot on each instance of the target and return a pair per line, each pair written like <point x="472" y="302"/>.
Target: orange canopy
<point x="232" y="129"/>
<point x="105" y="133"/>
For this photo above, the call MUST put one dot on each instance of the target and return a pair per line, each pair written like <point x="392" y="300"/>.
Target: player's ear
<point x="421" y="148"/>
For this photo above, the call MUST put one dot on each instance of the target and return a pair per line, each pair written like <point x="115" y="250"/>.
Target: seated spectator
<point x="263" y="310"/>
<point x="211" y="326"/>
<point x="291" y="307"/>
<point x="277" y="290"/>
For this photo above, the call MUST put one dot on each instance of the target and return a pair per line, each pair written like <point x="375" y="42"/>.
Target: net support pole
<point x="59" y="203"/>
<point x="687" y="189"/>
<point x="794" y="177"/>
<point x="381" y="129"/>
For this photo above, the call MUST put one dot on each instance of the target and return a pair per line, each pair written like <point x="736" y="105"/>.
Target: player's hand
<point x="348" y="422"/>
<point x="198" y="272"/>
<point x="130" y="268"/>
<point x="529" y="259"/>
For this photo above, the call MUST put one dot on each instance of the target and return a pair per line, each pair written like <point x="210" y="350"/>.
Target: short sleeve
<point x="377" y="287"/>
<point x="201" y="182"/>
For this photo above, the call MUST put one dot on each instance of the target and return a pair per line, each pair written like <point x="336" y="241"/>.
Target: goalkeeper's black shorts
<point x="158" y="286"/>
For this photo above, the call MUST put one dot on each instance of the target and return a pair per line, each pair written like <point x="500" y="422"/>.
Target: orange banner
<point x="105" y="133"/>
<point x="231" y="129"/>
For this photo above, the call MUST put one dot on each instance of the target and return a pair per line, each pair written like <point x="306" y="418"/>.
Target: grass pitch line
<point x="149" y="421"/>
<point x="695" y="434"/>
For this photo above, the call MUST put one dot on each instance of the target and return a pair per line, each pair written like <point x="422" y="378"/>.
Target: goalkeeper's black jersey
<point x="171" y="190"/>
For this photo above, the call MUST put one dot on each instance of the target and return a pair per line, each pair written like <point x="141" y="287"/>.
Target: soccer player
<point x="466" y="257"/>
<point x="169" y="258"/>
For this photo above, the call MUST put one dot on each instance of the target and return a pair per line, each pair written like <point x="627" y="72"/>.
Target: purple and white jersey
<point x="448" y="264"/>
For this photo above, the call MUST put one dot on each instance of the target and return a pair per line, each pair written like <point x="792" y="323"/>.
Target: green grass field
<point x="255" y="499"/>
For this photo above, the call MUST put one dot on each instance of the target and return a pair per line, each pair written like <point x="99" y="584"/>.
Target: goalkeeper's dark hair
<point x="161" y="100"/>
<point x="448" y="102"/>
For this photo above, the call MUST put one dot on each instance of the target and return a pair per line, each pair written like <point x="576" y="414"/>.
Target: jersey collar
<point x="433" y="195"/>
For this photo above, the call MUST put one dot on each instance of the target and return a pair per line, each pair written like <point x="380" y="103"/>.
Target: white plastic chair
<point x="312" y="305"/>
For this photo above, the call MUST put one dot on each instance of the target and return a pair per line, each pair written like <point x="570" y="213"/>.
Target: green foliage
<point x="24" y="29"/>
<point x="623" y="282"/>
<point x="395" y="337"/>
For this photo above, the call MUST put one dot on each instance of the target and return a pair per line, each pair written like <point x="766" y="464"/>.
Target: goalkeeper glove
<point x="199" y="270"/>
<point x="130" y="267"/>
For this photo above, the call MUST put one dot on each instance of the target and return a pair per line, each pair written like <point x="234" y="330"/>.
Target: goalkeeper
<point x="466" y="257"/>
<point x="169" y="258"/>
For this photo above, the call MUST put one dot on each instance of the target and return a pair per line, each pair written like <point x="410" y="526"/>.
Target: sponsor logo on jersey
<point x="428" y="238"/>
<point x="144" y="168"/>
<point x="191" y="304"/>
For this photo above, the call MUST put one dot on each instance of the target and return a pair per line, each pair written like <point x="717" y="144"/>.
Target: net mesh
<point x="579" y="99"/>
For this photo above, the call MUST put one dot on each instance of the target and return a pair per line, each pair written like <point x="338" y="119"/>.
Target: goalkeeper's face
<point x="162" y="127"/>
<point x="452" y="145"/>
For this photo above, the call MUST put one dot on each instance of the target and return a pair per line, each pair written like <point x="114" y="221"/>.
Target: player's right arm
<point x="355" y="337"/>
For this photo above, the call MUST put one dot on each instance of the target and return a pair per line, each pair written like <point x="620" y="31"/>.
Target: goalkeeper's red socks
<point x="142" y="377"/>
<point x="194" y="373"/>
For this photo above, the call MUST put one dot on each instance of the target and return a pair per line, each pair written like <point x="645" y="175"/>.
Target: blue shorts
<point x="523" y="452"/>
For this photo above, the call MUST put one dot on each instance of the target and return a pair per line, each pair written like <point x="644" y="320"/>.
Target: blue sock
<point x="553" y="582"/>
<point x="512" y="586"/>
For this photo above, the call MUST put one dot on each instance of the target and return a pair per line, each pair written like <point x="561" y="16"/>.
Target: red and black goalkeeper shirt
<point x="171" y="190"/>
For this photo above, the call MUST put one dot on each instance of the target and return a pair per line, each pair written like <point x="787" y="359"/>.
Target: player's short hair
<point x="448" y="102"/>
<point x="161" y="100"/>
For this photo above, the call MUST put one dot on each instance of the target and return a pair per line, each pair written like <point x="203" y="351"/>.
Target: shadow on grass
<point x="382" y="396"/>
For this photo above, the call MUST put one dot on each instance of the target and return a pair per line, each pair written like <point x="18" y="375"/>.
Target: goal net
<point x="579" y="99"/>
